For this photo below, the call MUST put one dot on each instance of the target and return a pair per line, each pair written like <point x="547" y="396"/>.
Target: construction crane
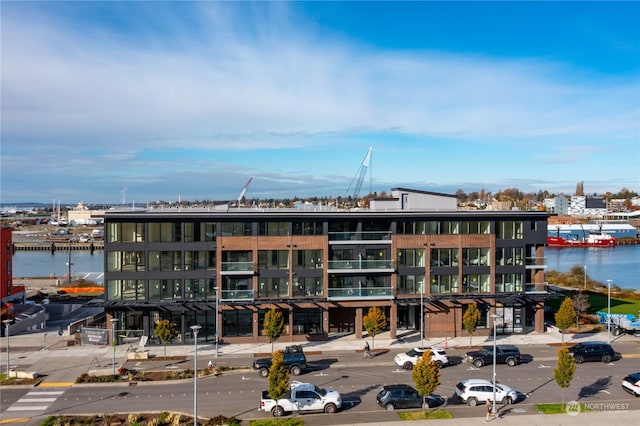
<point x="244" y="190"/>
<point x="359" y="177"/>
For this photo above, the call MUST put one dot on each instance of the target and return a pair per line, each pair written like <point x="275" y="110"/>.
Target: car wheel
<point x="579" y="359"/>
<point x="277" y="411"/>
<point x="472" y="402"/>
<point x="408" y="365"/>
<point x="425" y="405"/>
<point x="477" y="362"/>
<point x="618" y="331"/>
<point x="606" y="359"/>
<point x="439" y="364"/>
<point x="264" y="372"/>
<point x="330" y="408"/>
<point x="511" y="362"/>
<point x="507" y="400"/>
<point x="389" y="407"/>
<point x="295" y="370"/>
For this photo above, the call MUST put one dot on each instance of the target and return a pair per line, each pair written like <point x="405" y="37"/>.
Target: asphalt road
<point x="238" y="393"/>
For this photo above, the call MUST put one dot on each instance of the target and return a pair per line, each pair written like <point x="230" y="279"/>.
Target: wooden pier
<point x="54" y="246"/>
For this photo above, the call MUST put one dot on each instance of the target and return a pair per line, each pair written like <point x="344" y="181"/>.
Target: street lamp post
<point x="217" y="331"/>
<point x="609" y="312"/>
<point x="493" y="402"/>
<point x="195" y="329"/>
<point x="422" y="316"/>
<point x="585" y="276"/>
<point x="113" y="342"/>
<point x="7" y="322"/>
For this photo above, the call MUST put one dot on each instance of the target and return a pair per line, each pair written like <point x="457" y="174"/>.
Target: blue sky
<point x="165" y="100"/>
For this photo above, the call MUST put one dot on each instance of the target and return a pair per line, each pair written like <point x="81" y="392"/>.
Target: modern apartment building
<point x="324" y="270"/>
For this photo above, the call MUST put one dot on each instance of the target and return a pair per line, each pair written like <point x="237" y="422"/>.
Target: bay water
<point x="620" y="264"/>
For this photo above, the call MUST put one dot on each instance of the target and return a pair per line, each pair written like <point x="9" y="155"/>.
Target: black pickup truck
<point x="294" y="359"/>
<point x="505" y="354"/>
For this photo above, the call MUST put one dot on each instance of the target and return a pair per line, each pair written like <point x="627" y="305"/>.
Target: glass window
<point x="273" y="228"/>
<point x="285" y="319"/>
<point x="411" y="284"/>
<point x="234" y="288"/>
<point x="509" y="230"/>
<point x="476" y="283"/>
<point x="237" y="323"/>
<point x="113" y="232"/>
<point x="411" y="258"/>
<point x="509" y="256"/>
<point x="307" y="259"/>
<point x="306" y="228"/>
<point x="273" y="259"/>
<point x="476" y="256"/>
<point x="444" y="257"/>
<point x="476" y="227"/>
<point x="509" y="283"/>
<point x="444" y="284"/>
<point x="236" y="229"/>
<point x="307" y="321"/>
<point x="307" y="286"/>
<point x="273" y="287"/>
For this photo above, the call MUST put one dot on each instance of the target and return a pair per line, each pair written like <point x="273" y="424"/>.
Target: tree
<point x="581" y="305"/>
<point x="566" y="316"/>
<point x="273" y="325"/>
<point x="426" y="376"/>
<point x="278" y="379"/>
<point x="374" y="322"/>
<point x="565" y="370"/>
<point x="470" y="320"/>
<point x="166" y="332"/>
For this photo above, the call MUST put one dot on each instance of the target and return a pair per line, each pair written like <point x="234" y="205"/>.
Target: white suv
<point x="472" y="391"/>
<point x="408" y="360"/>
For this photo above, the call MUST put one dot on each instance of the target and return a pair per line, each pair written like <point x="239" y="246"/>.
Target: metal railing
<point x="229" y="295"/>
<point x="362" y="292"/>
<point x="361" y="264"/>
<point x="237" y="267"/>
<point x="360" y="236"/>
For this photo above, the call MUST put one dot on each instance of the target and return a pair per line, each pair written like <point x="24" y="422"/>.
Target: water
<point x="620" y="264"/>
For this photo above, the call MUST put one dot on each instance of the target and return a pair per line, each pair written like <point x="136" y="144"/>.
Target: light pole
<point x="493" y="402"/>
<point x="113" y="342"/>
<point x="609" y="312"/>
<point x="216" y="290"/>
<point x="6" y="324"/>
<point x="422" y="316"/>
<point x="195" y="329"/>
<point x="585" y="276"/>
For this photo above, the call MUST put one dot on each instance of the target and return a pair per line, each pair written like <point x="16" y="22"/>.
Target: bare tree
<point x="581" y="305"/>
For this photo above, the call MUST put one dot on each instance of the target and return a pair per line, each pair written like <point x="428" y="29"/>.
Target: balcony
<point x="350" y="266"/>
<point x="535" y="262"/>
<point x="361" y="293"/>
<point x="536" y="287"/>
<point x="236" y="268"/>
<point x="360" y="237"/>
<point x="236" y="295"/>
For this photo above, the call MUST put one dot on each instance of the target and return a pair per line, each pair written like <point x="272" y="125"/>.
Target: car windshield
<point x="320" y="391"/>
<point x="414" y="353"/>
<point x="486" y="351"/>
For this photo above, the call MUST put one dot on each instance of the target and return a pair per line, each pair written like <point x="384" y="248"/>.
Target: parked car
<point x="631" y="384"/>
<point x="592" y="351"/>
<point x="302" y="397"/>
<point x="407" y="360"/>
<point x="294" y="359"/>
<point x="392" y="397"/>
<point x="472" y="391"/>
<point x="505" y="354"/>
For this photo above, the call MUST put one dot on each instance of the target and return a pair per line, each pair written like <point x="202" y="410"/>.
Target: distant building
<point x="409" y="199"/>
<point x="8" y="291"/>
<point x="587" y="206"/>
<point x="558" y="205"/>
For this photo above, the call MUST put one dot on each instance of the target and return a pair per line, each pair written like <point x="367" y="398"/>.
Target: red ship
<point x="591" y="240"/>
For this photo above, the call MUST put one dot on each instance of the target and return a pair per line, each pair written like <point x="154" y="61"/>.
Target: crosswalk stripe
<point x="22" y="400"/>
<point x="45" y="393"/>
<point x="28" y="408"/>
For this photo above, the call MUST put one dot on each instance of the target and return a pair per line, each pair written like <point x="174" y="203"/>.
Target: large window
<point x="199" y="231"/>
<point x="476" y="256"/>
<point x="444" y="257"/>
<point x="200" y="289"/>
<point x="409" y="227"/>
<point x="307" y="286"/>
<point x="476" y="227"/>
<point x="307" y="321"/>
<point x="199" y="260"/>
<point x="509" y="283"/>
<point x="484" y="314"/>
<point x="128" y="261"/>
<point x="509" y="255"/>
<point x="165" y="289"/>
<point x="476" y="283"/>
<point x="306" y="228"/>
<point x="411" y="284"/>
<point x="444" y="227"/>
<point x="285" y="318"/>
<point x="273" y="287"/>
<point x="236" y="229"/>
<point x="274" y="228"/>
<point x="509" y="230"/>
<point x="165" y="232"/>
<point x="444" y="284"/>
<point x="273" y="259"/>
<point x="132" y="232"/>
<point x="410" y="258"/>
<point x="165" y="261"/>
<point x="237" y="260"/>
<point x="307" y="259"/>
<point x="237" y="323"/>
<point x="235" y="288"/>
<point x="126" y="290"/>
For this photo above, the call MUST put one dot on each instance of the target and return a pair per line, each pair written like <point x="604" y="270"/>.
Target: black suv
<point x="294" y="359"/>
<point x="505" y="354"/>
<point x="404" y="396"/>
<point x="592" y="351"/>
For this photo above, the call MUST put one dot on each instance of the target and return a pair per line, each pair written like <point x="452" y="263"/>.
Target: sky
<point x="111" y="102"/>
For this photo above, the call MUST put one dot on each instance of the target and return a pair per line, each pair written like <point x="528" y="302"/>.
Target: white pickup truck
<point x="302" y="397"/>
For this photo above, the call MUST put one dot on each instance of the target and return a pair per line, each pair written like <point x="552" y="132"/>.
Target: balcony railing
<point x="230" y="295"/>
<point x="237" y="267"/>
<point x="535" y="262"/>
<point x="536" y="287"/>
<point x="342" y="237"/>
<point x="361" y="293"/>
<point x="350" y="265"/>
